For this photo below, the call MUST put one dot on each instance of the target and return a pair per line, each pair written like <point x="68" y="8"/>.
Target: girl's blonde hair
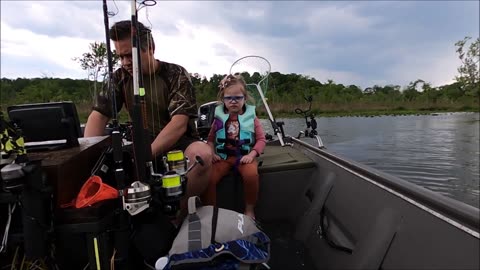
<point x="231" y="80"/>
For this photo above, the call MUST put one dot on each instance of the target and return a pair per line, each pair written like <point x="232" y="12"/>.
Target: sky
<point x="364" y="43"/>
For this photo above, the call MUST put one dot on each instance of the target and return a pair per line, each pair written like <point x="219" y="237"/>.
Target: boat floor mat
<point x="286" y="252"/>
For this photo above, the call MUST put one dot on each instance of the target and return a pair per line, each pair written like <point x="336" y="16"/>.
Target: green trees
<point x="285" y="91"/>
<point x="469" y="71"/>
<point x="18" y="91"/>
<point x="95" y="62"/>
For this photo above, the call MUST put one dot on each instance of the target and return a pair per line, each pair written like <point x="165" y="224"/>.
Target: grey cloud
<point x="373" y="40"/>
<point x="166" y="28"/>
<point x="224" y="50"/>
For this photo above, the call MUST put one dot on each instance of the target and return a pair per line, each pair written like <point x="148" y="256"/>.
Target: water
<point x="439" y="152"/>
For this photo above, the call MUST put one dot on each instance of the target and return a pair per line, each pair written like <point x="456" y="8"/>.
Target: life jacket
<point x="246" y="133"/>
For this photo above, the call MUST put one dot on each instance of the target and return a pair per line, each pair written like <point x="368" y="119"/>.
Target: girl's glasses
<point x="233" y="98"/>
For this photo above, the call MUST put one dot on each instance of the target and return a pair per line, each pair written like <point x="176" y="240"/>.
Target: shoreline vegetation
<point x="373" y="113"/>
<point x="280" y="110"/>
<point x="261" y="113"/>
<point x="287" y="92"/>
<point x="367" y="110"/>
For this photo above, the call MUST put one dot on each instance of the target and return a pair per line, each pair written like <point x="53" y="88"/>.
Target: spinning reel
<point x="164" y="189"/>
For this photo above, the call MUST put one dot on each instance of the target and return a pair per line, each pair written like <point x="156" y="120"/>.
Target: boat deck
<point x="286" y="252"/>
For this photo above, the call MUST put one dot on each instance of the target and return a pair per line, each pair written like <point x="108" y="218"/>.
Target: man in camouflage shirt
<point x="170" y="105"/>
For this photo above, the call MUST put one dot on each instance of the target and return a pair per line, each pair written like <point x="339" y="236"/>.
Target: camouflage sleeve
<point x="103" y="99"/>
<point x="182" y="95"/>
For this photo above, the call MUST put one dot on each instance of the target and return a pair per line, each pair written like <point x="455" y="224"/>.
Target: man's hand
<point x="170" y="134"/>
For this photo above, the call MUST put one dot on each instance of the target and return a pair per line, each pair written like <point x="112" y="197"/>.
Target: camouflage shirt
<point x="168" y="92"/>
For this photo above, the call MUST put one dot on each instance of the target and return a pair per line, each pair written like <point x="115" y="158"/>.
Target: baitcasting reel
<point x="165" y="189"/>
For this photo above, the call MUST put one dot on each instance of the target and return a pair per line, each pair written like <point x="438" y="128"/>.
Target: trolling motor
<point x="206" y="114"/>
<point x="164" y="189"/>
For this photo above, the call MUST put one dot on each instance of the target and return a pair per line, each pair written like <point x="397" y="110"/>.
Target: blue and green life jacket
<point x="246" y="133"/>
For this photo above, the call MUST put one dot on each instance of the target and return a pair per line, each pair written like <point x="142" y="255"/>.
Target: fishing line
<point x="146" y="3"/>
<point x="11" y="209"/>
<point x="148" y="18"/>
<point x="111" y="13"/>
<point x="153" y="83"/>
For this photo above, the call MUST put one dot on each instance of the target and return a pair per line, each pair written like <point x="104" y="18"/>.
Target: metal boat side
<point x="333" y="213"/>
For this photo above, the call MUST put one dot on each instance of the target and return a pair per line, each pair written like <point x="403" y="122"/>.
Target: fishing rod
<point x="141" y="149"/>
<point x="121" y="236"/>
<point x="139" y="137"/>
<point x="116" y="134"/>
<point x="163" y="190"/>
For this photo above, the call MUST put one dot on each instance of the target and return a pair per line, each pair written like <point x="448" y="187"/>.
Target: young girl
<point x="236" y="138"/>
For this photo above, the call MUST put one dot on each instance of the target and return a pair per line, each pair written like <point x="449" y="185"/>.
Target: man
<point x="170" y="104"/>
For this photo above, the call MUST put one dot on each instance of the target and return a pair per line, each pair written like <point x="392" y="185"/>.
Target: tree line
<point x="285" y="92"/>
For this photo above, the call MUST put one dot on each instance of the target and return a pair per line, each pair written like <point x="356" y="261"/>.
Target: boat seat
<point x="278" y="158"/>
<point x="275" y="160"/>
<point x="230" y="193"/>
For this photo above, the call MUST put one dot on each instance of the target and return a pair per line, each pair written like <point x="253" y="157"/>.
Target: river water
<point x="439" y="152"/>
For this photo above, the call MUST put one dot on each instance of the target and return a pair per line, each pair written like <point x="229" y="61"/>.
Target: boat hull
<point x="334" y="213"/>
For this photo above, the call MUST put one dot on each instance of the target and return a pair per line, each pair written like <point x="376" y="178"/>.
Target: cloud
<point x="197" y="48"/>
<point x="351" y="42"/>
<point x="55" y="18"/>
<point x="29" y="47"/>
<point x="326" y="21"/>
<point x="343" y="77"/>
<point x="436" y="65"/>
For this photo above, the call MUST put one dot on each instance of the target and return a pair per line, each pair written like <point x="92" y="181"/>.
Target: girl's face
<point x="234" y="98"/>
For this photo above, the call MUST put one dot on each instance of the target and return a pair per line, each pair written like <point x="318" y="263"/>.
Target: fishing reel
<point x="165" y="189"/>
<point x="125" y="130"/>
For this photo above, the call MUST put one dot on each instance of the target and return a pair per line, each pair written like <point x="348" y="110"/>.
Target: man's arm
<point x="170" y="134"/>
<point x="95" y="125"/>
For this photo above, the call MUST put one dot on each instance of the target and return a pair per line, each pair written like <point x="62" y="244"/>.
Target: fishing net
<point x="255" y="70"/>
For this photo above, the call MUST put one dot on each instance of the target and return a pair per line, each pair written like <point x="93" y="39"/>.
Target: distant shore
<point x="367" y="113"/>
<point x="123" y="117"/>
